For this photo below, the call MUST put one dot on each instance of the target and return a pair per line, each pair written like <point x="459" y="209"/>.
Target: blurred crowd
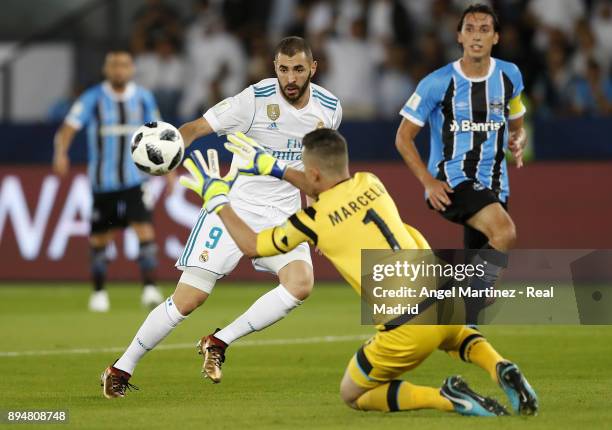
<point x="371" y="53"/>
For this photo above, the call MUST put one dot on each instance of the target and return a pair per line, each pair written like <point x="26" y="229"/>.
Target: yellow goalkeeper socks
<point x="402" y="396"/>
<point x="481" y="353"/>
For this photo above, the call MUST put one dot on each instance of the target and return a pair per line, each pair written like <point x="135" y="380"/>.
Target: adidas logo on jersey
<point x="273" y="126"/>
<point x="468" y="126"/>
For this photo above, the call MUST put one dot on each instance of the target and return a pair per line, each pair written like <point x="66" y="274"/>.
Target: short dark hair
<point x="292" y="45"/>
<point x="329" y="147"/>
<point x="119" y="49"/>
<point x="479" y="8"/>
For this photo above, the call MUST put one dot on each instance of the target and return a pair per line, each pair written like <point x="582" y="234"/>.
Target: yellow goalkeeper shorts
<point x="389" y="354"/>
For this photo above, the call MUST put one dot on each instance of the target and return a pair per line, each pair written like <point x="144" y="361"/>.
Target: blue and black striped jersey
<point x="111" y="119"/>
<point x="468" y="122"/>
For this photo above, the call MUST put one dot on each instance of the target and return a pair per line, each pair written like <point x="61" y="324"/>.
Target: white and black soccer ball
<point x="157" y="148"/>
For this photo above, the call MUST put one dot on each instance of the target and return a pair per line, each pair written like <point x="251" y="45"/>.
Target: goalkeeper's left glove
<point x="206" y="181"/>
<point x="256" y="161"/>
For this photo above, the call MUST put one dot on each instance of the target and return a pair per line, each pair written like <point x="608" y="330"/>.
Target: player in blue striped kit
<point x="111" y="111"/>
<point x="474" y="110"/>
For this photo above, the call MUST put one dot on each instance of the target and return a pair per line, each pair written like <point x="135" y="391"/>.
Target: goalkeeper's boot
<point x="115" y="382"/>
<point x="213" y="351"/>
<point x="523" y="398"/>
<point x="467" y="402"/>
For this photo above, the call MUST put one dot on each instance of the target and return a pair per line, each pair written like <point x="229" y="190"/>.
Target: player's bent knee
<point x="350" y="391"/>
<point x="187" y="304"/>
<point x="188" y="298"/>
<point x="348" y="397"/>
<point x="300" y="288"/>
<point x="510" y="238"/>
<point x="186" y="307"/>
<point x="298" y="279"/>
<point x="505" y="236"/>
<point x="99" y="240"/>
<point x="144" y="231"/>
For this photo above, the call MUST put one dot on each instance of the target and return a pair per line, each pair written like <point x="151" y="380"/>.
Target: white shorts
<point x="210" y="252"/>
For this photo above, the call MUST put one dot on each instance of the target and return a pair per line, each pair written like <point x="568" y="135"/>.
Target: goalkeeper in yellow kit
<point x="352" y="213"/>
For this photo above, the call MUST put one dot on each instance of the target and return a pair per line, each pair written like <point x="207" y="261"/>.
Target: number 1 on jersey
<point x="372" y="216"/>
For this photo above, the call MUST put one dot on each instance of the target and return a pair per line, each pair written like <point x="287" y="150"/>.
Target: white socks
<point x="268" y="309"/>
<point x="160" y="322"/>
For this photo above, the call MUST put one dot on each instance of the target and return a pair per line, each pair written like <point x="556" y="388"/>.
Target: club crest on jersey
<point x="497" y="106"/>
<point x="320" y="124"/>
<point x="273" y="111"/>
<point x="204" y="256"/>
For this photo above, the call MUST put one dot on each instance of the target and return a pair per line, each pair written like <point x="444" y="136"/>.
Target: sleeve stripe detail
<point x="264" y="88"/>
<point x="274" y="242"/>
<point x="295" y="221"/>
<point x="266" y="91"/>
<point x="324" y="97"/>
<point x="411" y="118"/>
<point x="325" y="103"/>
<point x="333" y="104"/>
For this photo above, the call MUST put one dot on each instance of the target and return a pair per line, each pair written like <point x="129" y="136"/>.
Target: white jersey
<point x="262" y="113"/>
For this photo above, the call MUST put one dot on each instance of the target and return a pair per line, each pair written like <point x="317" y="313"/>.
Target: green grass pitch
<point x="285" y="377"/>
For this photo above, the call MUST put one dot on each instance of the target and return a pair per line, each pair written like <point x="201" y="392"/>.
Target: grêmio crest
<point x="497" y="106"/>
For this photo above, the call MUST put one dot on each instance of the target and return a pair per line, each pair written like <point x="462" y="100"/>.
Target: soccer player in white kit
<point x="277" y="112"/>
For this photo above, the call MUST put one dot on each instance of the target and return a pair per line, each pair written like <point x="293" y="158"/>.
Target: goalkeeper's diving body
<point x="353" y="213"/>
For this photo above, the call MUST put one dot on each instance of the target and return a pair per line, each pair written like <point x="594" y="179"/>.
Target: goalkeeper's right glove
<point x="256" y="161"/>
<point x="206" y="180"/>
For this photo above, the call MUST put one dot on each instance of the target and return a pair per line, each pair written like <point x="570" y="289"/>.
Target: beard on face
<point x="118" y="83"/>
<point x="301" y="89"/>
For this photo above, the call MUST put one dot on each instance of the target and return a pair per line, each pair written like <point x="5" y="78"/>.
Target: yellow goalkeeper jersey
<point x="356" y="214"/>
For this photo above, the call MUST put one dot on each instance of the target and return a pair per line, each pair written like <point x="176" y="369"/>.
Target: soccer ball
<point x="157" y="148"/>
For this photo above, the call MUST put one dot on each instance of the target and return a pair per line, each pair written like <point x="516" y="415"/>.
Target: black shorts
<point x="118" y="209"/>
<point x="468" y="198"/>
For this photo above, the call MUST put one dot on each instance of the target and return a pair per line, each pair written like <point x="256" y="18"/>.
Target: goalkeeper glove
<point x="256" y="161"/>
<point x="206" y="181"/>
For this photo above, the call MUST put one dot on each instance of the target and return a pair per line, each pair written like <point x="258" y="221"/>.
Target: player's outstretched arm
<point x="61" y="142"/>
<point x="194" y="129"/>
<point x="256" y="161"/>
<point x="205" y="180"/>
<point x="272" y="241"/>
<point x="437" y="191"/>
<point x="254" y="158"/>
<point x="245" y="238"/>
<point x="297" y="178"/>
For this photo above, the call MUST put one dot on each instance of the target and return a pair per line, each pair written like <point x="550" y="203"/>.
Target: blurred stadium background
<point x="371" y="55"/>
